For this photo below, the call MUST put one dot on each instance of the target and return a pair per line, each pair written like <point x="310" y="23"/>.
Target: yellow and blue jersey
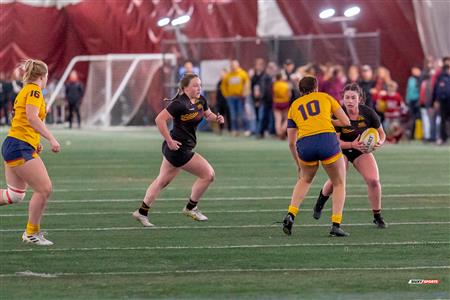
<point x="311" y="114"/>
<point x="31" y="94"/>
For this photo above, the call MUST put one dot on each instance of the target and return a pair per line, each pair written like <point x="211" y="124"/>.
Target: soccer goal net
<point x="118" y="86"/>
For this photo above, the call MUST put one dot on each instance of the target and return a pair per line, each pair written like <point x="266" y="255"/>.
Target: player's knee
<point x="307" y="178"/>
<point x="373" y="183"/>
<point x="13" y="195"/>
<point x="45" y="190"/>
<point x="209" y="176"/>
<point x="162" y="182"/>
<point x="338" y="182"/>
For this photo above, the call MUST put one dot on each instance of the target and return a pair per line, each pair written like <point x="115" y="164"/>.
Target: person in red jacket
<point x="392" y="104"/>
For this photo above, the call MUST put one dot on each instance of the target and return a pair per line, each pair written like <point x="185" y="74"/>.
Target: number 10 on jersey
<point x="312" y="109"/>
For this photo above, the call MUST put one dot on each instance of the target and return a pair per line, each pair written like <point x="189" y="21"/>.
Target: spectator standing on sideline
<point x="281" y="99"/>
<point x="412" y="99"/>
<point x="235" y="87"/>
<point x="291" y="77"/>
<point x="222" y="106"/>
<point x="261" y="84"/>
<point x="74" y="94"/>
<point x="367" y="84"/>
<point x="352" y="74"/>
<point x="441" y="97"/>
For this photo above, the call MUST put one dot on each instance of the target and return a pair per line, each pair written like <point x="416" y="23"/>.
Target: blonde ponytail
<point x="33" y="69"/>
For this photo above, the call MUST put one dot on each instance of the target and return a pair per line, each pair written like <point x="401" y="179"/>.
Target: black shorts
<point x="179" y="157"/>
<point x="351" y="154"/>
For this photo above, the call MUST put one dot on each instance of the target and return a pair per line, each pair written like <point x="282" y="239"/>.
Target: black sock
<point x="376" y="213"/>
<point x="191" y="204"/>
<point x="322" y="199"/>
<point x="336" y="224"/>
<point x="143" y="210"/>
<point x="292" y="215"/>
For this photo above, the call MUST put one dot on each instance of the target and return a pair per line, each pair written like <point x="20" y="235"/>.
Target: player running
<point x="21" y="148"/>
<point x="187" y="109"/>
<point x="312" y="138"/>
<point x="361" y="118"/>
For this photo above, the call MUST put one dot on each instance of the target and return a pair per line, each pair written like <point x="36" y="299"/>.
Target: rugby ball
<point x="369" y="138"/>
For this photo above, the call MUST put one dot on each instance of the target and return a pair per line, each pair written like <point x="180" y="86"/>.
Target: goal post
<point x="116" y="86"/>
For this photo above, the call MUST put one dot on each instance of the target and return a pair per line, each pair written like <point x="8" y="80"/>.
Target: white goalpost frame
<point x="110" y="98"/>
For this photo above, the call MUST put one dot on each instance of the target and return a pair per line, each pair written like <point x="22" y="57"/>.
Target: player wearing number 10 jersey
<point x="312" y="138"/>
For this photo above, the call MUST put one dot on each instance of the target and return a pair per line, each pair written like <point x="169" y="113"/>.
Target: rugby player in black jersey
<point x="361" y="118"/>
<point x="186" y="109"/>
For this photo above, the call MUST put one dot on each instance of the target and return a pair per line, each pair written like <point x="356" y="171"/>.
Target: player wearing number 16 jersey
<point x="20" y="150"/>
<point x="312" y="138"/>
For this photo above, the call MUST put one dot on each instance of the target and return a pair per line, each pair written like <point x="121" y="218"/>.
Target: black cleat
<point x="337" y="231"/>
<point x="379" y="222"/>
<point x="287" y="224"/>
<point x="317" y="211"/>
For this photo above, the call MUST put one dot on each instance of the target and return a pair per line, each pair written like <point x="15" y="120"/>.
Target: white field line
<point x="50" y="249"/>
<point x="33" y="274"/>
<point x="206" y="271"/>
<point x="103" y="213"/>
<point x="286" y="197"/>
<point x="219" y="226"/>
<point x="241" y="187"/>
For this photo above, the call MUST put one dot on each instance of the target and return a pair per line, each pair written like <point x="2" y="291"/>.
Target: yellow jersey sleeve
<point x="334" y="104"/>
<point x="34" y="97"/>
<point x="290" y="117"/>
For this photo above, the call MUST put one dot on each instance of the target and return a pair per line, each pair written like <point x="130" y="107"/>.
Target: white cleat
<point x="37" y="239"/>
<point x="142" y="219"/>
<point x="195" y="214"/>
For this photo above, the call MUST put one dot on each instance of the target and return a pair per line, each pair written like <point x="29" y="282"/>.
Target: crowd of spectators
<point x="255" y="102"/>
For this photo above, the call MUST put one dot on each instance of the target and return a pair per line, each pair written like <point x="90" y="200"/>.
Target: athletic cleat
<point x="142" y="219"/>
<point x="195" y="214"/>
<point x="287" y="224"/>
<point x="37" y="239"/>
<point x="337" y="231"/>
<point x="317" y="211"/>
<point x="379" y="222"/>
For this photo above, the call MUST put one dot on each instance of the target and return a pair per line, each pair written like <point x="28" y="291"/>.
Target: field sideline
<point x="100" y="252"/>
